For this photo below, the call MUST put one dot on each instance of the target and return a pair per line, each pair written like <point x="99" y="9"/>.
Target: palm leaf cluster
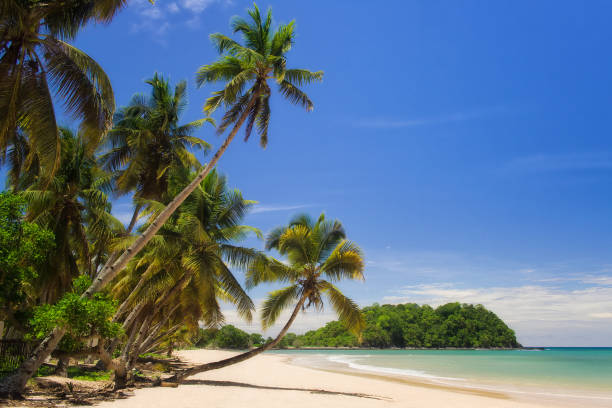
<point x="75" y="206"/>
<point x="179" y="280"/>
<point x="147" y="142"/>
<point x="246" y="68"/>
<point x="318" y="256"/>
<point x="36" y="61"/>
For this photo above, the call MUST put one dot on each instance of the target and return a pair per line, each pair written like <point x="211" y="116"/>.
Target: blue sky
<point x="465" y="145"/>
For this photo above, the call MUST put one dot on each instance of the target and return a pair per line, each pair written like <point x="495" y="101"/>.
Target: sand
<point x="270" y="381"/>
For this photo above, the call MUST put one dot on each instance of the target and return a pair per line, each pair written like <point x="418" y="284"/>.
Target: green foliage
<point x="256" y="339"/>
<point x="82" y="317"/>
<point x="333" y="334"/>
<point x="411" y="325"/>
<point x="79" y="373"/>
<point x="317" y="256"/>
<point x="76" y="372"/>
<point x="246" y="68"/>
<point x="24" y="247"/>
<point x="230" y="337"/>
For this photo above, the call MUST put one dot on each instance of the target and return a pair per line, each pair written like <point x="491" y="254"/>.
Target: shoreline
<point x="272" y="380"/>
<point x="473" y="387"/>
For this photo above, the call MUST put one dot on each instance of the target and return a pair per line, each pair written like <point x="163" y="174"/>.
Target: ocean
<point x="580" y="374"/>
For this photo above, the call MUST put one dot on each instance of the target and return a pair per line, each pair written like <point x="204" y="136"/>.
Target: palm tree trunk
<point x="15" y="384"/>
<point x="134" y="219"/>
<point x="109" y="271"/>
<point x="180" y="376"/>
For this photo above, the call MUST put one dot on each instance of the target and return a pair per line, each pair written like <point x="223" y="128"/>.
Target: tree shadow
<point x="265" y="387"/>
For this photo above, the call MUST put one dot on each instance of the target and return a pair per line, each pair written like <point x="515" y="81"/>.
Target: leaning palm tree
<point x="261" y="58"/>
<point x="318" y="255"/>
<point x="36" y="59"/>
<point x="147" y="143"/>
<point x="179" y="278"/>
<point x="264" y="53"/>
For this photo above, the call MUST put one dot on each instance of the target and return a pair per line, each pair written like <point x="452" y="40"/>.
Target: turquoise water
<point x="558" y="371"/>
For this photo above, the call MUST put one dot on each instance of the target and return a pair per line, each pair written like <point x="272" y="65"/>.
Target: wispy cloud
<point x="395" y="123"/>
<point x="276" y="208"/>
<point x="561" y="162"/>
<point x="541" y="315"/>
<point x="160" y="17"/>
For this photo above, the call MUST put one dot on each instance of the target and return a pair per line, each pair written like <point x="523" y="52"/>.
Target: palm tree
<point x="265" y="49"/>
<point x="73" y="205"/>
<point x="34" y="58"/>
<point x="318" y="255"/>
<point x="147" y="143"/>
<point x="263" y="58"/>
<point x="178" y="279"/>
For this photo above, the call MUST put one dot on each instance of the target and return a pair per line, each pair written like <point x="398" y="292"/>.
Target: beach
<point x="272" y="380"/>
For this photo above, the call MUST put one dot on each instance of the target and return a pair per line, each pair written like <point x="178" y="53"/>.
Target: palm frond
<point x="344" y="262"/>
<point x="347" y="310"/>
<point x="276" y="302"/>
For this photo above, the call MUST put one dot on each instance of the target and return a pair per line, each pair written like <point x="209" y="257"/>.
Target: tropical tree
<point x="317" y="256"/>
<point x="24" y="248"/>
<point x="265" y="49"/>
<point x="147" y="143"/>
<point x="177" y="281"/>
<point x="73" y="205"/>
<point x="36" y="59"/>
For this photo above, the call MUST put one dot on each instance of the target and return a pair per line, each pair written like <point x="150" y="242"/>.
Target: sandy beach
<point x="272" y="381"/>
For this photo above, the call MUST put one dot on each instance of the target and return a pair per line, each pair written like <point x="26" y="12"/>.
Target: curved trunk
<point x="180" y="376"/>
<point x="134" y="219"/>
<point x="16" y="383"/>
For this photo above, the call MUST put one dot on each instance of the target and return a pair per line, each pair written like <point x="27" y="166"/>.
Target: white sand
<point x="269" y="381"/>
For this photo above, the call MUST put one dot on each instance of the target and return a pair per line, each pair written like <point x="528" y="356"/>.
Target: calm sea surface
<point x="562" y="372"/>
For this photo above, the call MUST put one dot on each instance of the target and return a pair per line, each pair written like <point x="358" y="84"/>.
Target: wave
<point x="350" y="362"/>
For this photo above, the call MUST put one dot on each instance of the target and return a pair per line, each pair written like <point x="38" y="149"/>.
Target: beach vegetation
<point x="317" y="255"/>
<point x="245" y="69"/>
<point x="37" y="63"/>
<point x="453" y="325"/>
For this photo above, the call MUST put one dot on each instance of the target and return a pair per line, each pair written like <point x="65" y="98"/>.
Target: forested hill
<point x="408" y="325"/>
<point x="411" y="325"/>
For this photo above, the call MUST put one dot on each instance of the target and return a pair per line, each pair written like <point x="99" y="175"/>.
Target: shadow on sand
<point x="265" y="387"/>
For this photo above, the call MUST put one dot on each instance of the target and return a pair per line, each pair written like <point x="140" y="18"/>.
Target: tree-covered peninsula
<point x="405" y="325"/>
<point x="411" y="325"/>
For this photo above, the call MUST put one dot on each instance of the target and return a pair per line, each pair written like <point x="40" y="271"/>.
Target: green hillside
<point x="411" y="325"/>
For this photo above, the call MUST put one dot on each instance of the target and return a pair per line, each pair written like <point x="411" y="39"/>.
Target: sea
<point x="580" y="376"/>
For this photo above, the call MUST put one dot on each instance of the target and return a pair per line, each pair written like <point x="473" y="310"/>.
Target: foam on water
<point x="350" y="362"/>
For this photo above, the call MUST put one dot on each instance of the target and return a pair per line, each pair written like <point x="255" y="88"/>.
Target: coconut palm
<point x="263" y="57"/>
<point x="265" y="49"/>
<point x="73" y="205"/>
<point x="318" y="255"/>
<point x="35" y="58"/>
<point x="178" y="280"/>
<point x="147" y="142"/>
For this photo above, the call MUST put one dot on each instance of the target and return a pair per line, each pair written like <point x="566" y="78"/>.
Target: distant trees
<point x="411" y="325"/>
<point x="408" y="325"/>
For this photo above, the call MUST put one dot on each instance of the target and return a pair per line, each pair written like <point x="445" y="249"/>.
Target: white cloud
<point x="196" y="6"/>
<point x="158" y="19"/>
<point x="274" y="208"/>
<point x="561" y="162"/>
<point x="386" y="123"/>
<point x="152" y="12"/>
<point x="540" y="315"/>
<point x="173" y="8"/>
